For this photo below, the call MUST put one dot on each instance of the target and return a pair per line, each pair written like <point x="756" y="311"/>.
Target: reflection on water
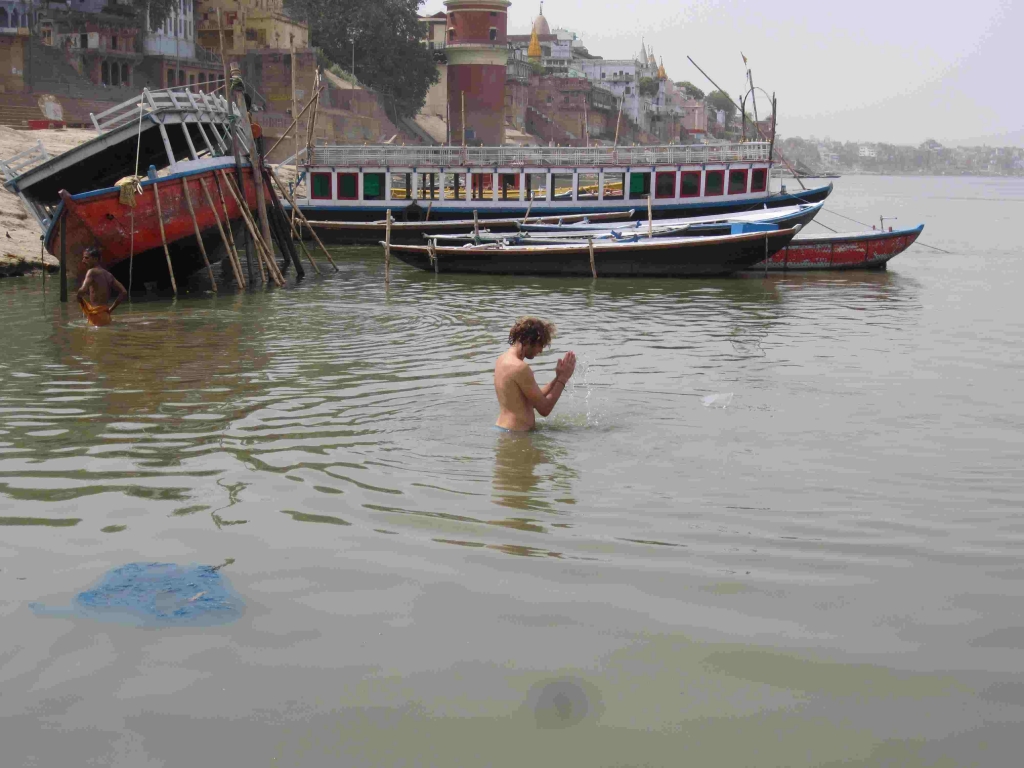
<point x="824" y="572"/>
<point x="529" y="469"/>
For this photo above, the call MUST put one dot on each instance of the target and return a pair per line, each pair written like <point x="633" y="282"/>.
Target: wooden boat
<point x="700" y="226"/>
<point x="654" y="257"/>
<point x="362" y="183"/>
<point x="855" y="250"/>
<point x="76" y="190"/>
<point x="98" y="218"/>
<point x="413" y="232"/>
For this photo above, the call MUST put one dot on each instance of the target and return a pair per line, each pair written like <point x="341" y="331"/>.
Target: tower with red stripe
<point x="477" y="52"/>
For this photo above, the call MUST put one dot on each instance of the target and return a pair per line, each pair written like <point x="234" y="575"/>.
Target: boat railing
<point x="547" y="157"/>
<point x="169" y="100"/>
<point x="18" y="164"/>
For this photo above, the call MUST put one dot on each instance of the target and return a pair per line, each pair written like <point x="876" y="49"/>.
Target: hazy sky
<point x="873" y="70"/>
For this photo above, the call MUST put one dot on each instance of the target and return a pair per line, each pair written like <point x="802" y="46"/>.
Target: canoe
<point x="842" y="251"/>
<point x="656" y="257"/>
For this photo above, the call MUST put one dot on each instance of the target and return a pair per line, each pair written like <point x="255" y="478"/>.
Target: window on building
<point x="738" y="182"/>
<point x="536" y="186"/>
<point x="690" y="186"/>
<point x="664" y="184"/>
<point x="83" y="40"/>
<point x="639" y="185"/>
<point x="493" y="33"/>
<point x="115" y="74"/>
<point x="627" y="90"/>
<point x="170" y="79"/>
<point x="191" y="82"/>
<point x="113" y="42"/>
<point x="614" y="184"/>
<point x="759" y="180"/>
<point x="320" y="186"/>
<point x="561" y="186"/>
<point x="125" y="75"/>
<point x="588" y="186"/>
<point x="714" y="183"/>
<point x="401" y="186"/>
<point x="455" y="186"/>
<point x="373" y="186"/>
<point x="451" y="35"/>
<point x="348" y="186"/>
<point x="428" y="186"/>
<point x="105" y="73"/>
<point x="509" y="186"/>
<point x="202" y="79"/>
<point x="3" y="17"/>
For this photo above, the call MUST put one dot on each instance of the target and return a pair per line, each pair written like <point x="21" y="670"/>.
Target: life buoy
<point x="412" y="212"/>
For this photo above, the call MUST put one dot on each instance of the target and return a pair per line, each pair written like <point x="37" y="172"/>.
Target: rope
<point x="131" y="253"/>
<point x="866" y="226"/>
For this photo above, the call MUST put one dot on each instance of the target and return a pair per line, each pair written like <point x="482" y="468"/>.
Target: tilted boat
<point x="185" y="135"/>
<point x="650" y="257"/>
<point x="841" y="251"/>
<point x="428" y="184"/>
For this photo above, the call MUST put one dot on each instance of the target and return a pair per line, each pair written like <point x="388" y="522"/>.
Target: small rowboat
<point x="844" y="251"/>
<point x="653" y="257"/>
<point x="412" y="232"/>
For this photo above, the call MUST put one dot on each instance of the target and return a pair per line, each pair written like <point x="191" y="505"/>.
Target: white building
<point x="176" y="37"/>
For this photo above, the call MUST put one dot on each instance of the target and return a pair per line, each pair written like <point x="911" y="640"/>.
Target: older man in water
<point x="98" y="286"/>
<point x="518" y="393"/>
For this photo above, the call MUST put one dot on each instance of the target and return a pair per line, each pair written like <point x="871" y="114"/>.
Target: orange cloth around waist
<point x="96" y="315"/>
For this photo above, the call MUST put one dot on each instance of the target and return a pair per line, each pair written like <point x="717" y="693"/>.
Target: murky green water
<point x="825" y="571"/>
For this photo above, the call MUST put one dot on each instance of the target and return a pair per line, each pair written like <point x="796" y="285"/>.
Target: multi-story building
<point x="249" y="25"/>
<point x="172" y="56"/>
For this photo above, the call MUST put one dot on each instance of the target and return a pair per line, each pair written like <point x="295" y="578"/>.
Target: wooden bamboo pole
<point x="593" y="265"/>
<point x="199" y="234"/>
<point x="163" y="236"/>
<point x="232" y="130"/>
<point x="232" y="256"/>
<point x="227" y="226"/>
<point x="650" y="217"/>
<point x="298" y="236"/>
<point x="247" y="230"/>
<point x="387" y="251"/>
<point x="529" y="208"/>
<point x="294" y="125"/>
<point x="284" y="229"/>
<point x="302" y="218"/>
<point x="429" y="206"/>
<point x="432" y="252"/>
<point x="262" y="248"/>
<point x="476" y="224"/>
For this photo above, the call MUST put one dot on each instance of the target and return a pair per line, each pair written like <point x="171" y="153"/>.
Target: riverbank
<point x="19" y="243"/>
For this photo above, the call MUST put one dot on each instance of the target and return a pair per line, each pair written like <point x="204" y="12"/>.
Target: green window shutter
<point x="371" y="185"/>
<point x="636" y="183"/>
<point x="321" y="185"/>
<point x="347" y="183"/>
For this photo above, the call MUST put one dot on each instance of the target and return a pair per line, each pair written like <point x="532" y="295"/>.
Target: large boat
<point x="181" y="143"/>
<point x="361" y="184"/>
<point x="651" y="257"/>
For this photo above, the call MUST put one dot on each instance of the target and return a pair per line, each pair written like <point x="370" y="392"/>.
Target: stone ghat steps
<point x="18" y="116"/>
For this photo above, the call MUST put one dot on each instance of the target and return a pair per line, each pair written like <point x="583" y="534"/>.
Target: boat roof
<point x="761" y="214"/>
<point x="130" y="127"/>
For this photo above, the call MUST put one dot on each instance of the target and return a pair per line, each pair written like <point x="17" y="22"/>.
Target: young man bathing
<point x="518" y="393"/>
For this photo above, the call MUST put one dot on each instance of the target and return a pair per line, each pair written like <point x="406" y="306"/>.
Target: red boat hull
<point x="99" y="219"/>
<point x="866" y="250"/>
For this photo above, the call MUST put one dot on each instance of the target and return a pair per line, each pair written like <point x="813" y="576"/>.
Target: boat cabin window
<point x="429" y="184"/>
<point x="455" y="186"/>
<point x="348" y="186"/>
<point x="738" y="182"/>
<point x="509" y="186"/>
<point x="614" y="186"/>
<point x="588" y="186"/>
<point x="690" y="186"/>
<point x="639" y="185"/>
<point x="561" y="186"/>
<point x="481" y="184"/>
<point x="320" y="186"/>
<point x="714" y="183"/>
<point x="759" y="180"/>
<point x="536" y="186"/>
<point x="401" y="186"/>
<point x="665" y="184"/>
<point x="373" y="186"/>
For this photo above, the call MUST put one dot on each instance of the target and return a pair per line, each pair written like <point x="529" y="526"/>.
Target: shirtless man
<point x="98" y="285"/>
<point x="518" y="393"/>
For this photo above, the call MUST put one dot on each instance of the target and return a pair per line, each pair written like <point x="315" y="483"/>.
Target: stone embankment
<point x="19" y="233"/>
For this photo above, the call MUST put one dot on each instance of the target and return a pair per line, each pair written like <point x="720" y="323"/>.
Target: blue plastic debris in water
<point x="156" y="595"/>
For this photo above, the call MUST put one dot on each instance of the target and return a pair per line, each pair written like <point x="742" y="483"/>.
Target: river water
<point x="772" y="522"/>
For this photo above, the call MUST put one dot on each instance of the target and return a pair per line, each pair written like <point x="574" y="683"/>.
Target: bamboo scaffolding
<point x="302" y="218"/>
<point x="387" y="252"/>
<point x="262" y="248"/>
<point x="227" y="225"/>
<point x="199" y="234"/>
<point x="163" y="236"/>
<point x="593" y="265"/>
<point x="232" y="255"/>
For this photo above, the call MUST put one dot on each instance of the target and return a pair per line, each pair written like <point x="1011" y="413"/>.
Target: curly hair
<point x="531" y="331"/>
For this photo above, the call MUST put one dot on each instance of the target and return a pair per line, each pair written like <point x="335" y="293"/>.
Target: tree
<point x="159" y="10"/>
<point x="690" y="90"/>
<point x="719" y="100"/>
<point x="648" y="87"/>
<point x="384" y="35"/>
